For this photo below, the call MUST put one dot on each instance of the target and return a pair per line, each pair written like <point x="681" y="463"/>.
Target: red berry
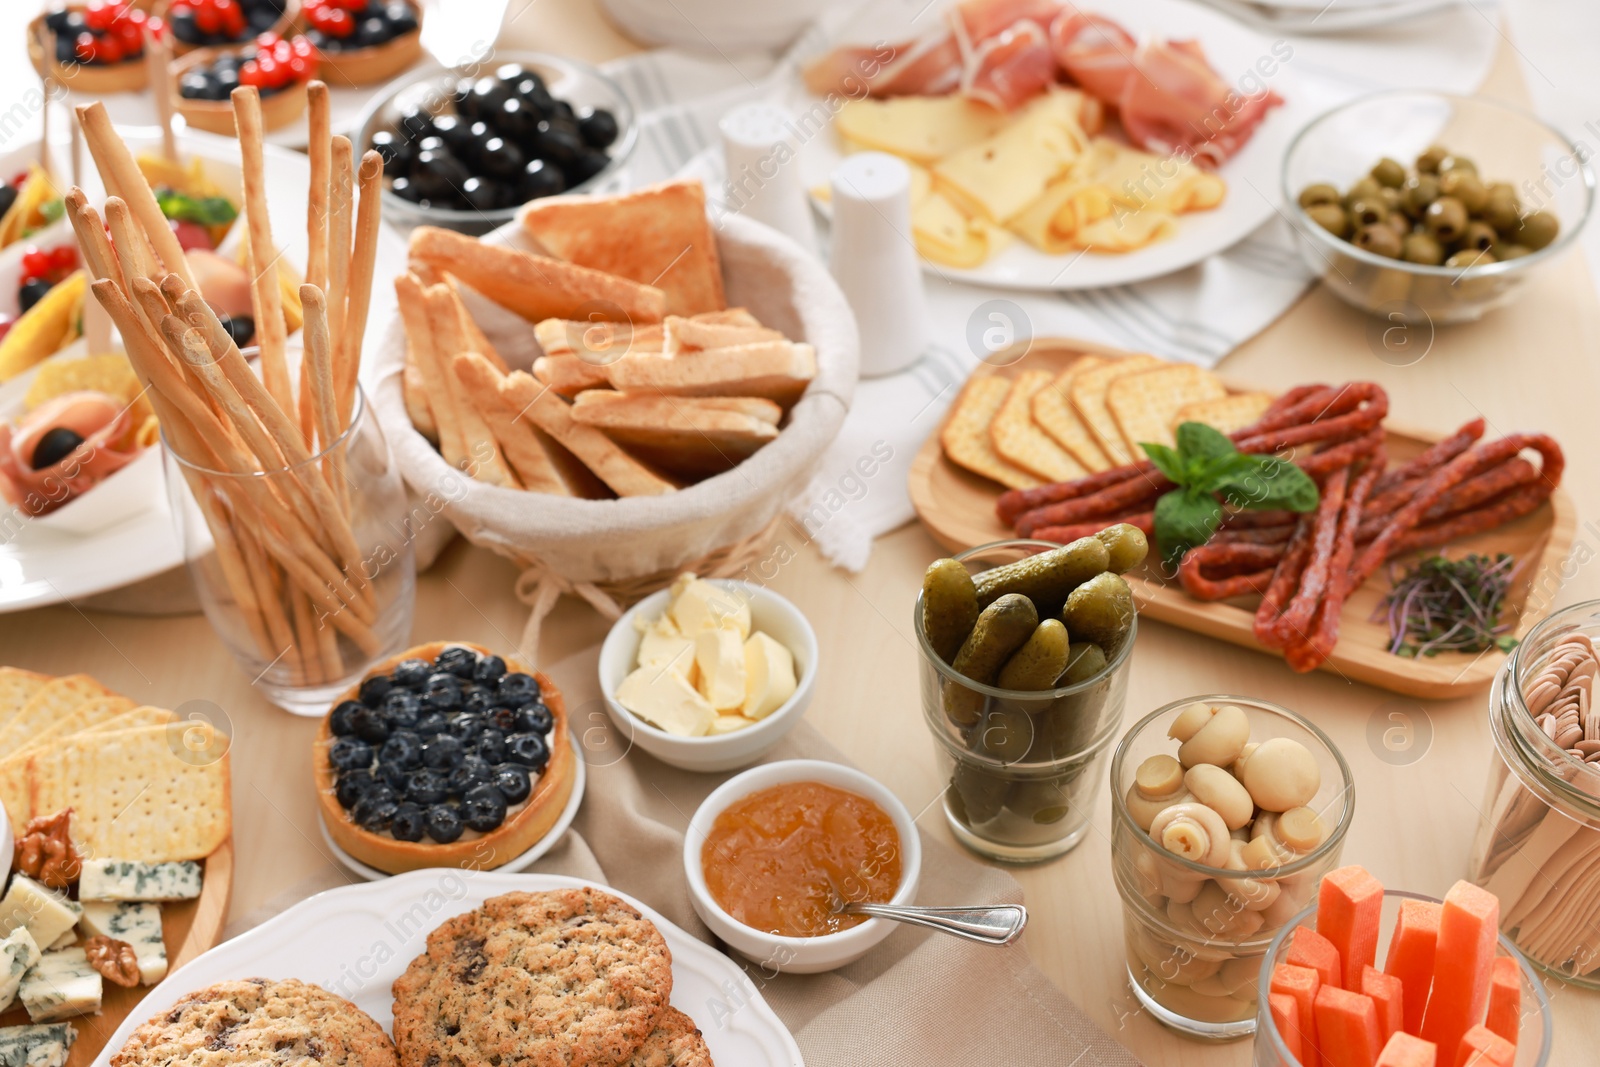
<point x="99" y="15"/>
<point x="155" y="26"/>
<point x="232" y="16"/>
<point x="181" y="7"/>
<point x="300" y="68"/>
<point x="17" y="182"/>
<point x="35" y="263"/>
<point x="87" y="47"/>
<point x="271" y="72"/>
<point x="250" y="74"/>
<point x="268" y="39"/>
<point x="5" y="325"/>
<point x="338" y="23"/>
<point x="207" y="19"/>
<point x="135" y="16"/>
<point x="351" y="5"/>
<point x="64" y="259"/>
<point x="130" y="34"/>
<point x="110" y="49"/>
<point x="301" y="46"/>
<point x="191" y="235"/>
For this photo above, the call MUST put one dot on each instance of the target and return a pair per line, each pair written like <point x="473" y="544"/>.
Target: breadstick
<point x="134" y="254"/>
<point x="423" y="352"/>
<point x="263" y="253"/>
<point x="308" y="633"/>
<point x="363" y="261"/>
<point x="317" y="361"/>
<point x="480" y="381"/>
<point x="156" y="58"/>
<point x="341" y="226"/>
<point x="91" y="233"/>
<point x="123" y="179"/>
<point x="320" y="148"/>
<point x="234" y="570"/>
<point x="269" y="596"/>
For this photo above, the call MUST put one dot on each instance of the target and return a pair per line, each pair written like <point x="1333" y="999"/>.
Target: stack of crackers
<point x="1046" y="426"/>
<point x="139" y="783"/>
<point x="647" y="380"/>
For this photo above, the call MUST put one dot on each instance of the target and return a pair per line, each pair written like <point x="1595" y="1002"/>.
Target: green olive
<point x="1319" y="193"/>
<point x="1389" y="172"/>
<point x="1479" y="236"/>
<point x="1502" y="211"/>
<point x="1392" y="198"/>
<point x="1368" y="212"/>
<point x="1380" y="240"/>
<point x="1455" y="162"/>
<point x="1445" y="219"/>
<point x="1364" y="188"/>
<point x="1469" y="257"/>
<point x="1330" y="217"/>
<point x="1538" y="230"/>
<point x="1399" y="222"/>
<point x="1503" y="251"/>
<point x="1465" y="187"/>
<point x="1428" y="162"/>
<point x="1420" y="248"/>
<point x="1420" y="191"/>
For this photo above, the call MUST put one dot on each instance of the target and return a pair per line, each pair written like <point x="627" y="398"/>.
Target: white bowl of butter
<point x="709" y="674"/>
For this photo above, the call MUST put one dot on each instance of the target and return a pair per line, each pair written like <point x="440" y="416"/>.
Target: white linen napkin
<point x="1197" y="315"/>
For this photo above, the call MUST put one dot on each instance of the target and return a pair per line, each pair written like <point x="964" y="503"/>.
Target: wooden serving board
<point x="190" y="927"/>
<point x="957" y="507"/>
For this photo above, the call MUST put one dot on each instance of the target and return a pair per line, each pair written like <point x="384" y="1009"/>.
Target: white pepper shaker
<point x="875" y="260"/>
<point x="764" y="171"/>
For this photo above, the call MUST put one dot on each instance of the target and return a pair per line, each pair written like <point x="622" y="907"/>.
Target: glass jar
<point x="1533" y="1035"/>
<point x="1538" y="835"/>
<point x="1022" y="776"/>
<point x="1195" y="934"/>
<point x="303" y="619"/>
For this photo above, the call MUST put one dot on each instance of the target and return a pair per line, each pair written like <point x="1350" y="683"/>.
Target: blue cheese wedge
<point x="61" y="985"/>
<point x="43" y="912"/>
<point x="66" y="940"/>
<point x="114" y="879"/>
<point x="139" y="924"/>
<point x="36" y="1046"/>
<point x="18" y="952"/>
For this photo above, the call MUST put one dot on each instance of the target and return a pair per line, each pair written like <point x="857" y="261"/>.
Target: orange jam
<point x="780" y="859"/>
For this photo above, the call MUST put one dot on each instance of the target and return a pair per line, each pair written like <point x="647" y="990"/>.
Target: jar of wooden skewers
<point x="1538" y="841"/>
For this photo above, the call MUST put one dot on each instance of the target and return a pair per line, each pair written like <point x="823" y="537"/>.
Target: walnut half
<point x="44" y="852"/>
<point x="113" y="959"/>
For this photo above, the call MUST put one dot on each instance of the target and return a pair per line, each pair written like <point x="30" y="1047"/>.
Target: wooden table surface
<point x="1530" y="366"/>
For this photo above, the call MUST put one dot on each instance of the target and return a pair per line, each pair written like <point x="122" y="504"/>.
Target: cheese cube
<point x="114" y="879"/>
<point x="727" y="724"/>
<point x="768" y="676"/>
<point x="36" y="1046"/>
<point x="661" y="645"/>
<point x="43" y="912"/>
<point x="139" y="924"/>
<point x="666" y="699"/>
<point x="719" y="657"/>
<point x="61" y="985"/>
<point x="18" y="952"/>
<point x="698" y="605"/>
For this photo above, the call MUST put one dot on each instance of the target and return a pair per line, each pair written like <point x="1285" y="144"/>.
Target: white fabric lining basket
<point x="613" y="551"/>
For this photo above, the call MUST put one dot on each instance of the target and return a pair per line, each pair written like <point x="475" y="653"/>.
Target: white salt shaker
<point x="876" y="263"/>
<point x="764" y="171"/>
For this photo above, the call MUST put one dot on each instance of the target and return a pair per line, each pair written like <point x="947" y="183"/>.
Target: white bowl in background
<point x="713" y="25"/>
<point x="798" y="955"/>
<point x="772" y="615"/>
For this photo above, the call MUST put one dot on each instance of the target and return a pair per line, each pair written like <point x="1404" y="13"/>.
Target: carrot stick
<point x="1469" y="924"/>
<point x="1308" y="948"/>
<point x="1403" y="1050"/>
<point x="1349" y="910"/>
<point x="1482" y="1047"/>
<point x="1286" y="1017"/>
<point x="1505" y="998"/>
<point x="1347" y="1027"/>
<point x="1301" y="985"/>
<point x="1388" y="993"/>
<point x="1411" y="955"/>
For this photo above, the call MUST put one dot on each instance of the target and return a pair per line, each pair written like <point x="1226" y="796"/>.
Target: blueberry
<point x="199" y="85"/>
<point x="474" y="770"/>
<point x="375" y="808"/>
<point x="373" y="31"/>
<point x="432" y="724"/>
<point x="501" y="159"/>
<point x="534" y="719"/>
<point x="183" y="27"/>
<point x="227" y="79"/>
<point x="597" y="127"/>
<point x="408" y="823"/>
<point x="513" y="782"/>
<point x="483" y="808"/>
<point x="262" y="17"/>
<point x="443" y="753"/>
<point x="465" y="728"/>
<point x="590" y="161"/>
<point x="373" y="689"/>
<point x="321" y="41"/>
<point x="528" y="750"/>
<point x="352" y="786"/>
<point x="62" y="22"/>
<point x="541" y="178"/>
<point x="412" y="672"/>
<point x="456" y="660"/>
<point x="393" y="775"/>
<point x="503" y="719"/>
<point x="517" y="689"/>
<point x="491" y="746"/>
<point x="348" y="754"/>
<point x="339" y="721"/>
<point x="66" y="48"/>
<point x="425" y="787"/>
<point x="402" y="18"/>
<point x="442" y="695"/>
<point x="444" y="824"/>
<point x="489" y="669"/>
<point x="403" y="714"/>
<point x="477" y="702"/>
<point x="369" y="725"/>
<point x="403" y="750"/>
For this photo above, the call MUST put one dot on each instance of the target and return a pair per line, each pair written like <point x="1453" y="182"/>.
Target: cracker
<point x="484" y="460"/>
<point x="1088" y="393"/>
<point x="155" y="792"/>
<point x="17" y="687"/>
<point x="1020" y="441"/>
<point x="56" y="699"/>
<point x="1143" y="404"/>
<point x="1225" y="413"/>
<point x="965" y="436"/>
<point x="1052" y="409"/>
<point x="85" y="716"/>
<point x="14" y="781"/>
<point x="625" y="475"/>
<point x="144" y="715"/>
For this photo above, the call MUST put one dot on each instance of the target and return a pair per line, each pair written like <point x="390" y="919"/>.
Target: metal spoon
<point x="990" y="924"/>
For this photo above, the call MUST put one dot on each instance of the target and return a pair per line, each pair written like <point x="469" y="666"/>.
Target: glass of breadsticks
<point x="290" y="507"/>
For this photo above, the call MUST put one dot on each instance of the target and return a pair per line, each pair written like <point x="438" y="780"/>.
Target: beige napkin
<point x="918" y="998"/>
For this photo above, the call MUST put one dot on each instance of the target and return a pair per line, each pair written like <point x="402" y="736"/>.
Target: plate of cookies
<point x="454" y="966"/>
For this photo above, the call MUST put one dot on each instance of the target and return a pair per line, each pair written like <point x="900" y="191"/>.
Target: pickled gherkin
<point x="975" y="795"/>
<point x="1126" y="546"/>
<point x="1001" y="629"/>
<point x="1046" y="578"/>
<point x="1100" y="610"/>
<point x="949" y="606"/>
<point x="1040" y="661"/>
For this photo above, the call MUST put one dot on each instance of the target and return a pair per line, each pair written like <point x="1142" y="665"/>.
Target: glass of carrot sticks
<point x="290" y="506"/>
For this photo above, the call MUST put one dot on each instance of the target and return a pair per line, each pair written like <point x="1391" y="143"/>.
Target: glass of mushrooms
<point x="1227" y="811"/>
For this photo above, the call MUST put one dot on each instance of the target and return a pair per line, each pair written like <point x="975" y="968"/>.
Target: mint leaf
<point x="1165" y="459"/>
<point x="1268" y="482"/>
<point x="1197" y="441"/>
<point x="1183" y="519"/>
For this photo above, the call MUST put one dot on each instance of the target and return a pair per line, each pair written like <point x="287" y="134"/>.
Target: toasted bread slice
<point x="658" y="235"/>
<point x="577" y="354"/>
<point x="680" y="334"/>
<point x="1020" y="441"/>
<point x="1088" y="393"/>
<point x="1226" y="413"/>
<point x="776" y="370"/>
<point x="1143" y="404"/>
<point x="479" y="381"/>
<point x="683" y="434"/>
<point x="625" y="475"/>
<point x="535" y="287"/>
<point x="1053" y="411"/>
<point x="966" y="436"/>
<point x="422" y="354"/>
<point x="483" y="458"/>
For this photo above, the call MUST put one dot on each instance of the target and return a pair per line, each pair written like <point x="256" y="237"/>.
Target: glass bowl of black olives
<point x="464" y="148"/>
<point x="1428" y="208"/>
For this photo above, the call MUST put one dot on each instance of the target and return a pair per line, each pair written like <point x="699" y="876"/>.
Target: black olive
<point x="558" y="142"/>
<point x="483" y="808"/>
<point x="516" y="119"/>
<point x="489" y="668"/>
<point x="408" y="823"/>
<point x="412" y="672"/>
<point x="374" y="689"/>
<point x="374" y="811"/>
<point x="597" y="127"/>
<point x="516" y="689"/>
<point x="456" y="133"/>
<point x="416" y="123"/>
<point x="32" y="292"/>
<point x="456" y="660"/>
<point x="487" y="96"/>
<point x="513" y="74"/>
<point x="339" y="721"/>
<point x="443" y="753"/>
<point x="426" y="787"/>
<point x="432" y="723"/>
<point x="395" y="150"/>
<point x="538" y="98"/>
<point x="541" y="178"/>
<point x="513" y="782"/>
<point x="349" y="753"/>
<point x="444" y="824"/>
<point x="590" y="161"/>
<point x="473" y="770"/>
<point x="528" y="750"/>
<point x="55" y="445"/>
<point x="491" y="746"/>
<point x="8" y="196"/>
<point x="438" y="175"/>
<point x="403" y="188"/>
<point x="501" y="159"/>
<point x="403" y="750"/>
<point x="534" y="719"/>
<point x="432" y="143"/>
<point x="352" y="786"/>
<point x="560" y="109"/>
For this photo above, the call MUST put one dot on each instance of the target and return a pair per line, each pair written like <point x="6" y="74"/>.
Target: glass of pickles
<point x="1024" y="670"/>
<point x="1423" y="207"/>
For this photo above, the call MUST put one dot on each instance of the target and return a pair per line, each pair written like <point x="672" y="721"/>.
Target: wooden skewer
<point x="122" y="177"/>
<point x="363" y="261"/>
<point x="264" y="283"/>
<point x="157" y="58"/>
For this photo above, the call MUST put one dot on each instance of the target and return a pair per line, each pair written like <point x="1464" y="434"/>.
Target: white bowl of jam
<point x="772" y="853"/>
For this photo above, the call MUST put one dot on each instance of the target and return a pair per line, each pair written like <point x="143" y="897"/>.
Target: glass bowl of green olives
<point x="1424" y="207"/>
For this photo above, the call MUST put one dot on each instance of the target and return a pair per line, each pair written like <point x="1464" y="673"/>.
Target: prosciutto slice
<point x="1095" y="52"/>
<point x="1175" y="103"/>
<point x="1011" y="67"/>
<point x="100" y="419"/>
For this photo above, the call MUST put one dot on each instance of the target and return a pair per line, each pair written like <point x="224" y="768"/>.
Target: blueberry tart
<point x="364" y="41"/>
<point x="96" y="47"/>
<point x="223" y="23"/>
<point x="279" y="67"/>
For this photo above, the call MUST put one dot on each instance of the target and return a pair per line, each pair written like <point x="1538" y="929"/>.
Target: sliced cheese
<point x="769" y="676"/>
<point x="666" y="699"/>
<point x="923" y="129"/>
<point x="114" y="879"/>
<point x="137" y="923"/>
<point x="60" y="986"/>
<point x="998" y="177"/>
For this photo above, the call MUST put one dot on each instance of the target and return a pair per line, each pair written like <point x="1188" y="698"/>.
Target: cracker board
<point x="190" y="927"/>
<point x="957" y="508"/>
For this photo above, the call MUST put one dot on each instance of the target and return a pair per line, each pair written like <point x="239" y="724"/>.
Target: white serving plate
<point x="1252" y="175"/>
<point x="356" y="940"/>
